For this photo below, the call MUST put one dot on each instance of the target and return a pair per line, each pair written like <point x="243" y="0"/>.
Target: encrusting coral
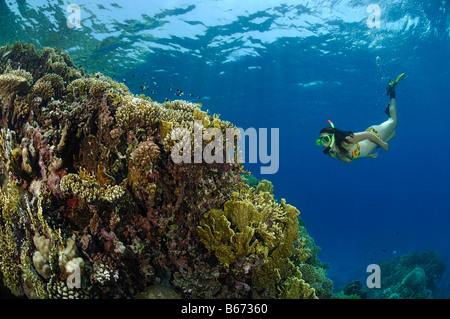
<point x="92" y="204"/>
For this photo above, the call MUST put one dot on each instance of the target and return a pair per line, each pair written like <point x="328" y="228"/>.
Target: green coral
<point x="251" y="180"/>
<point x="264" y="186"/>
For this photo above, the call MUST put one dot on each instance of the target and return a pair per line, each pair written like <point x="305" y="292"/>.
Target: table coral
<point x="90" y="189"/>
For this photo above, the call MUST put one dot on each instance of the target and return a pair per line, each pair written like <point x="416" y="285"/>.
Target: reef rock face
<point x="92" y="204"/>
<point x="412" y="276"/>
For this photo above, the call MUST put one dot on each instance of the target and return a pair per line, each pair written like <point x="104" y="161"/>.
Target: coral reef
<point x="93" y="206"/>
<point x="412" y="276"/>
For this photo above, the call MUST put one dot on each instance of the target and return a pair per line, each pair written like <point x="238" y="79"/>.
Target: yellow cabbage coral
<point x="215" y="232"/>
<point x="244" y="227"/>
<point x="255" y="225"/>
<point x="295" y="287"/>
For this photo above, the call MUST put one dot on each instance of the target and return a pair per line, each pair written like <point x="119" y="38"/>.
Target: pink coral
<point x="145" y="156"/>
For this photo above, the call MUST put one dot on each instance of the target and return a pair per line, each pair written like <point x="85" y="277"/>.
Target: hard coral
<point x="50" y="85"/>
<point x="11" y="85"/>
<point x="89" y="191"/>
<point x="217" y="235"/>
<point x="254" y="225"/>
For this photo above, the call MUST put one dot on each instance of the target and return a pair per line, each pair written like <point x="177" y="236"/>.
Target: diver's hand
<point x="385" y="146"/>
<point x="374" y="155"/>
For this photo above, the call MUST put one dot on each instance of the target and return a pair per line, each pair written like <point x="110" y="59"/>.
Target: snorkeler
<point x="348" y="146"/>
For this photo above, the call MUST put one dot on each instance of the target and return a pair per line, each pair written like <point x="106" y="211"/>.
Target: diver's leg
<point x="387" y="128"/>
<point x="393" y="110"/>
<point x="367" y="147"/>
<point x="390" y="137"/>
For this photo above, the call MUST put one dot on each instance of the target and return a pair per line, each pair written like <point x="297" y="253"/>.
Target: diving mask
<point x="326" y="139"/>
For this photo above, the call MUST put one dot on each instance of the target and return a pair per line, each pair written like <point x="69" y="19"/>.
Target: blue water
<point x="293" y="65"/>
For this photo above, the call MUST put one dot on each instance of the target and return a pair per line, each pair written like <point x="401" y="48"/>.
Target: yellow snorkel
<point x="328" y="149"/>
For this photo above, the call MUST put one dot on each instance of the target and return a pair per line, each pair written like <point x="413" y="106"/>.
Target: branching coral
<point x="86" y="85"/>
<point x="89" y="191"/>
<point x="49" y="86"/>
<point x="135" y="113"/>
<point x="142" y="173"/>
<point x="79" y="87"/>
<point x="264" y="186"/>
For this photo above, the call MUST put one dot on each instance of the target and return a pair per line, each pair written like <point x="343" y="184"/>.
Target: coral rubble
<point x="93" y="206"/>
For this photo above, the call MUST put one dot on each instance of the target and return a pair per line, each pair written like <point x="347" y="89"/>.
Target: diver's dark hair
<point x="339" y="137"/>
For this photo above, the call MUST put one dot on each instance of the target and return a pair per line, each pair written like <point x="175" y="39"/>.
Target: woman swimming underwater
<point x="348" y="146"/>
